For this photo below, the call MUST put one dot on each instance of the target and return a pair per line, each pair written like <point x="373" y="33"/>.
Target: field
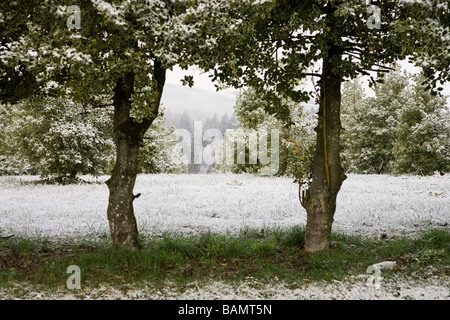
<point x="224" y="204"/>
<point x="376" y="207"/>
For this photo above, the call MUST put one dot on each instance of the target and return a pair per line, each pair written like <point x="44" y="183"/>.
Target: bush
<point x="404" y="129"/>
<point x="296" y="137"/>
<point x="160" y="153"/>
<point x="55" y="138"/>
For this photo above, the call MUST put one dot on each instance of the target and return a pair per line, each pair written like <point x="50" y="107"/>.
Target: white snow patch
<point x="389" y="265"/>
<point x="436" y="288"/>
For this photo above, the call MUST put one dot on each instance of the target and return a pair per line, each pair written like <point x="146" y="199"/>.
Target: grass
<point x="261" y="254"/>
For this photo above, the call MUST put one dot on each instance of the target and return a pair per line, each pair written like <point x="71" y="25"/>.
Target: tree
<point x="11" y="162"/>
<point x="212" y="123"/>
<point x="428" y="25"/>
<point x="57" y="139"/>
<point x="225" y="123"/>
<point x="120" y="51"/>
<point x="276" y="44"/>
<point x="296" y="140"/>
<point x="185" y="122"/>
<point x="16" y="81"/>
<point x="402" y="129"/>
<point x="371" y="124"/>
<point x="422" y="144"/>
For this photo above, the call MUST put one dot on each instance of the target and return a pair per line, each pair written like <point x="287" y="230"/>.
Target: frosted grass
<point x="223" y="204"/>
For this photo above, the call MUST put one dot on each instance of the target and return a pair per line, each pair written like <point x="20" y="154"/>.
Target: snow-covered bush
<point x="55" y="138"/>
<point x="161" y="153"/>
<point x="403" y="129"/>
<point x="422" y="144"/>
<point x="295" y="143"/>
<point x="11" y="160"/>
<point x="59" y="139"/>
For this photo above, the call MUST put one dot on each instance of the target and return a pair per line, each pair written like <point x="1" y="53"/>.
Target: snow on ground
<point x="434" y="288"/>
<point x="228" y="204"/>
<point x="222" y="203"/>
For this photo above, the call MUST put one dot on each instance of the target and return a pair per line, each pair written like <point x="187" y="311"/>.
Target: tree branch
<point x="366" y="71"/>
<point x="384" y="67"/>
<point x="103" y="106"/>
<point x="311" y="74"/>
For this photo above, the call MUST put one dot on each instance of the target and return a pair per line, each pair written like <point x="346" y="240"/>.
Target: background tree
<point x="185" y="121"/>
<point x="370" y="124"/>
<point x="161" y="153"/>
<point x="296" y="140"/>
<point x="225" y="123"/>
<point x="57" y="139"/>
<point x="279" y="43"/>
<point x="402" y="129"/>
<point x="11" y="162"/>
<point x="422" y="144"/>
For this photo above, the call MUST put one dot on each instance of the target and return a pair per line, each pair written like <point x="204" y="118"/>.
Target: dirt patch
<point x="29" y="262"/>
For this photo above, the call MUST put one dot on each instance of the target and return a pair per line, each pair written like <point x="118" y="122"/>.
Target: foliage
<point x="115" y="37"/>
<point x="422" y="143"/>
<point x="296" y="140"/>
<point x="427" y="27"/>
<point x="40" y="54"/>
<point x="403" y="129"/>
<point x="277" y="44"/>
<point x="160" y="153"/>
<point x="59" y="139"/>
<point x="56" y="138"/>
<point x="11" y="162"/>
<point x="369" y="125"/>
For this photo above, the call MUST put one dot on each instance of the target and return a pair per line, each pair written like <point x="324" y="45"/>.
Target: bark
<point x="128" y="138"/>
<point x="328" y="176"/>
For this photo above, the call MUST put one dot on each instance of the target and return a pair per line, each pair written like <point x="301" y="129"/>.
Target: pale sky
<point x="201" y="79"/>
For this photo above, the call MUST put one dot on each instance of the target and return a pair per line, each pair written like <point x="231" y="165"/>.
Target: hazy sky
<point x="201" y="79"/>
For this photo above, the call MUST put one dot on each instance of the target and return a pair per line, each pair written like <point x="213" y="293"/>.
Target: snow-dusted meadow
<point x="221" y="203"/>
<point x="228" y="204"/>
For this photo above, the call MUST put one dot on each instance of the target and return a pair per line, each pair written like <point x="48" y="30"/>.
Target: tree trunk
<point x="328" y="175"/>
<point x="122" y="222"/>
<point x="128" y="138"/>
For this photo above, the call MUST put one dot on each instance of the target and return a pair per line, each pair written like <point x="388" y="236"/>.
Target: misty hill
<point x="200" y="104"/>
